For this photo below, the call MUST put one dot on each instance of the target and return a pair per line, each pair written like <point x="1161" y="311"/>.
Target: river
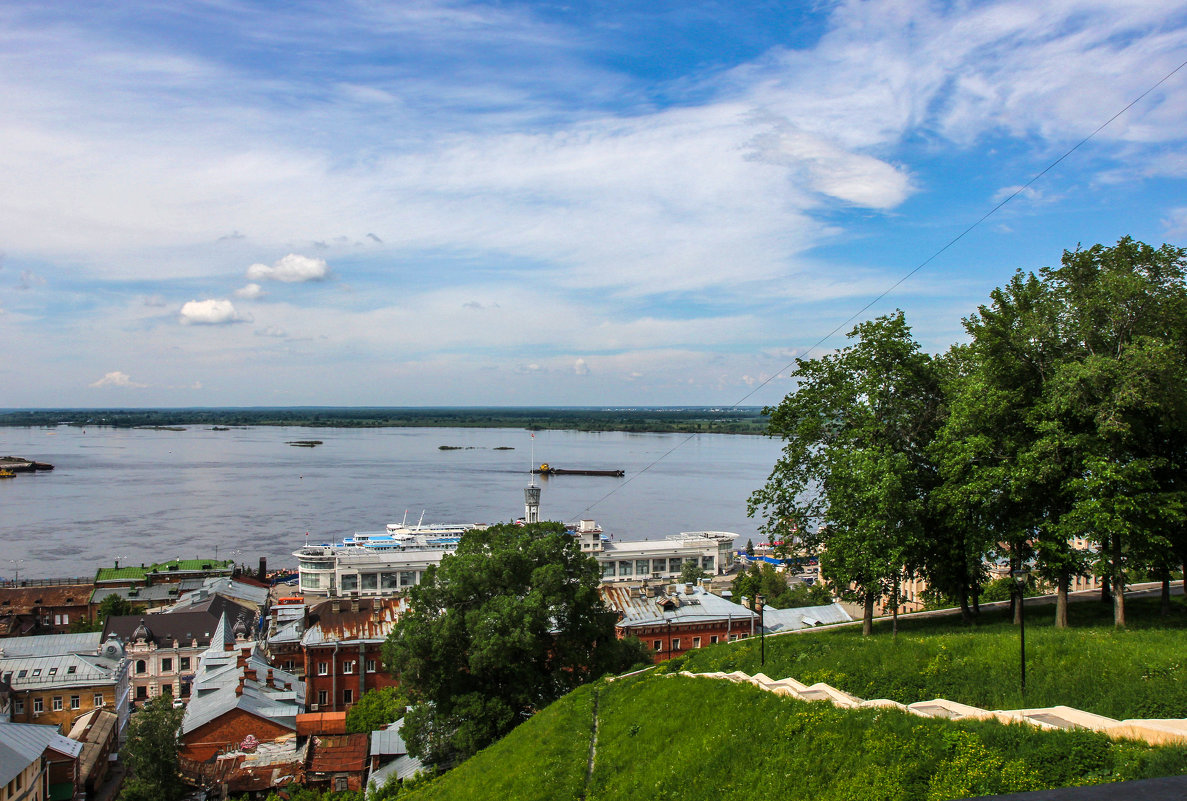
<point x="150" y="495"/>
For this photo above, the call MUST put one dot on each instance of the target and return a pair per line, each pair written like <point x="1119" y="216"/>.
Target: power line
<point x="905" y="277"/>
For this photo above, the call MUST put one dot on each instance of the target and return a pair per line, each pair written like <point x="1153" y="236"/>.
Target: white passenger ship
<point x="391" y="561"/>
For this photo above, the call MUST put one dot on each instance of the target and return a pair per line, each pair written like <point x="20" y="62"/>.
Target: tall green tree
<point x="501" y="628"/>
<point x="1121" y="398"/>
<point x="853" y="477"/>
<point x="151" y="753"/>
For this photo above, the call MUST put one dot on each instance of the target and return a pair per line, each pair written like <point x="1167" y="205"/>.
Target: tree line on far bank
<point x="1062" y="420"/>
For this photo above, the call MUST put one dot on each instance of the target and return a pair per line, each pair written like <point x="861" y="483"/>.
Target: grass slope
<point x="1140" y="672"/>
<point x="672" y="737"/>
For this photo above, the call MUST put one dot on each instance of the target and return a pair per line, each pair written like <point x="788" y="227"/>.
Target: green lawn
<point x="672" y="737"/>
<point x="1138" y="672"/>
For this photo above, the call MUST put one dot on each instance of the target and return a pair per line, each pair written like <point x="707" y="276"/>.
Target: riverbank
<point x="643" y="419"/>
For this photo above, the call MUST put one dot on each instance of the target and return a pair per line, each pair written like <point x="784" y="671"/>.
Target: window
<point x="323" y="668"/>
<point x="36" y="672"/>
<point x="676" y="644"/>
<point x="185" y="663"/>
<point x="141" y="693"/>
<point x="607" y="569"/>
<point x="350" y="582"/>
<point x="38" y="706"/>
<point x="347" y="696"/>
<point x="348" y="667"/>
<point x="370" y="581"/>
<point x="22" y="674"/>
<point x="141" y="666"/>
<point x="642" y="565"/>
<point x="53" y="671"/>
<point x="57" y="703"/>
<point x="288" y="666"/>
<point x="98" y="699"/>
<point x="71" y="669"/>
<point x="167" y="665"/>
<point x="696" y="642"/>
<point x="18" y="707"/>
<point x="733" y="637"/>
<point x="322" y="697"/>
<point x="388" y="581"/>
<point x="713" y="639"/>
<point x="624" y="568"/>
<point x="407" y="578"/>
<point x="659" y="645"/>
<point x="75" y="702"/>
<point x="370" y="665"/>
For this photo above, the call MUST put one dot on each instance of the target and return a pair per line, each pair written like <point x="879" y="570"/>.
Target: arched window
<point x="141" y="666"/>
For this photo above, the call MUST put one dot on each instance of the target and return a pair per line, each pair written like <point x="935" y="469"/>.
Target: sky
<point x="230" y="203"/>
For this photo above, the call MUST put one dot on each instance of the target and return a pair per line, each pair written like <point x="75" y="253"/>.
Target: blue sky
<point x="428" y="203"/>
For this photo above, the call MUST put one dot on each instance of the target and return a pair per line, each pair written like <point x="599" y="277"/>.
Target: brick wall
<point x="207" y="740"/>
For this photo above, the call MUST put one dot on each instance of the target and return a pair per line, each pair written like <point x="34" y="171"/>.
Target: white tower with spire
<point x="531" y="493"/>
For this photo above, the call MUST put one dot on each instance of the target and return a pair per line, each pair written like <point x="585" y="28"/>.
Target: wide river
<point x="146" y="495"/>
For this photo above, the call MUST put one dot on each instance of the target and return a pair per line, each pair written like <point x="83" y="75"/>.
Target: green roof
<point x="142" y="572"/>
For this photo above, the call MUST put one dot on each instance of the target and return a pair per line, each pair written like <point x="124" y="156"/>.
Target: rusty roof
<point x="374" y="620"/>
<point x="26" y="599"/>
<point x="339" y="753"/>
<point x="321" y="723"/>
<point x="697" y="606"/>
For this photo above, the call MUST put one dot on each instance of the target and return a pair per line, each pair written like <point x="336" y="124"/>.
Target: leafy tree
<point x="110" y="605"/>
<point x="508" y="623"/>
<point x="853" y="477"/>
<point x="691" y="572"/>
<point x="151" y="753"/>
<point x="375" y="709"/>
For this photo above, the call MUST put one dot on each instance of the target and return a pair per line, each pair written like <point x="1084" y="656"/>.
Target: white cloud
<point x="117" y="379"/>
<point x="271" y="331"/>
<point x="580" y="367"/>
<point x="1025" y="193"/>
<point x="210" y="312"/>
<point x="250" y="292"/>
<point x="292" y="269"/>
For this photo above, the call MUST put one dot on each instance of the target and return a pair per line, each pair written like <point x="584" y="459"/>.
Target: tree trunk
<point x="966" y="615"/>
<point x="1166" y="591"/>
<point x="977" y="602"/>
<point x="867" y="616"/>
<point x="1061" y="601"/>
<point x="1118" y="585"/>
<point x="1105" y="595"/>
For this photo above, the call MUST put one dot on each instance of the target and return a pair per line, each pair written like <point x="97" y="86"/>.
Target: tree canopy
<point x="1053" y="440"/>
<point x="505" y="625"/>
<point x="151" y="753"/>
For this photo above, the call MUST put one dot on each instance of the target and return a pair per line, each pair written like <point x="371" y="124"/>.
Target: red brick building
<point x="342" y="647"/>
<point x="673" y="619"/>
<point x="43" y="608"/>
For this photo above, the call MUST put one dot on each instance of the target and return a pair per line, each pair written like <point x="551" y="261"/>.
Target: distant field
<point x="671" y="737"/>
<point x="748" y="420"/>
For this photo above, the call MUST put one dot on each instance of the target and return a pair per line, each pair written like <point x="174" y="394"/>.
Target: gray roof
<point x="154" y="593"/>
<point x="218" y="677"/>
<point x="402" y="767"/>
<point x="699" y="606"/>
<point x="775" y="620"/>
<point x="23" y="743"/>
<point x="51" y="644"/>
<point x="289" y="632"/>
<point x="388" y="742"/>
<point x="67" y="670"/>
<point x="163" y="629"/>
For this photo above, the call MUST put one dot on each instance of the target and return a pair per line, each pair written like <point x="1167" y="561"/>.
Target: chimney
<point x="269" y="676"/>
<point x="288" y="685"/>
<point x="335" y="606"/>
<point x="239" y="688"/>
<point x="354" y="603"/>
<point x="688" y="589"/>
<point x="263" y="567"/>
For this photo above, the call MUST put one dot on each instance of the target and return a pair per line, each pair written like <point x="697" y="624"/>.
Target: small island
<point x="305" y="443"/>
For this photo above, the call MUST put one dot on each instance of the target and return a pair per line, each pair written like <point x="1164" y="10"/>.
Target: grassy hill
<point x="673" y="737"/>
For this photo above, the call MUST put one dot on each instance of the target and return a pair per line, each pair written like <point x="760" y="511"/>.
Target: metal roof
<point x="23" y="743"/>
<point x="372" y="623"/>
<point x="66" y="670"/>
<point x="389" y="742"/>
<point x="338" y="753"/>
<point x="51" y="644"/>
<point x="775" y="620"/>
<point x="698" y="606"/>
<point x="215" y="690"/>
<point x="155" y="592"/>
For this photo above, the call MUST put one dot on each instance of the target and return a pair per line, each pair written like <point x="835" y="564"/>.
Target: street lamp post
<point x="760" y="602"/>
<point x="1020" y="577"/>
